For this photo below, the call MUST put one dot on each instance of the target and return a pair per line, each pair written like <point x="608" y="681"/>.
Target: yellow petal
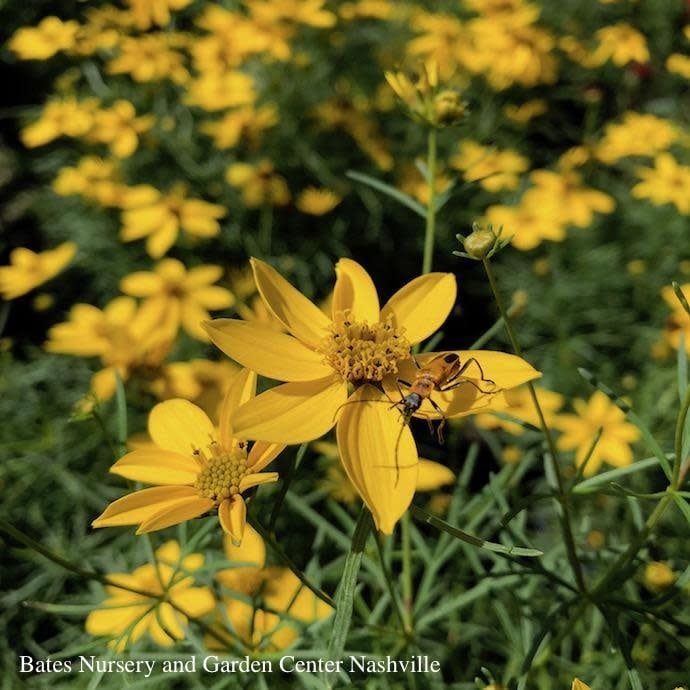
<point x="251" y="480"/>
<point x="141" y="284"/>
<point x="262" y="454"/>
<point x="296" y="312"/>
<point x="252" y="549"/>
<point x="180" y="511"/>
<point x="194" y="601"/>
<point x="433" y="475"/>
<point x="154" y="466"/>
<point x="240" y="391"/>
<point x="379" y="455"/>
<point x="180" y="426"/>
<point x="114" y="620"/>
<point x="422" y="305"/>
<point x="292" y="413"/>
<point x="275" y="355"/>
<point x="141" y="505"/>
<point x="355" y="290"/>
<point x="232" y="514"/>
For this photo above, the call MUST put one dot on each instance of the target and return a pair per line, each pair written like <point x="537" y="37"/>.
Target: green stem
<point x="430" y="229"/>
<point x="408" y="594"/>
<point x="566" y="521"/>
<point x="395" y="604"/>
<point x="678" y="445"/>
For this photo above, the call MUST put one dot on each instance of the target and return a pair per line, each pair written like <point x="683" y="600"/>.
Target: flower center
<point x="361" y="352"/>
<point x="221" y="471"/>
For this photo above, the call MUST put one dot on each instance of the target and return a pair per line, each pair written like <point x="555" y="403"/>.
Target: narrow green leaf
<point x="594" y="483"/>
<point x="682" y="368"/>
<point x="388" y="190"/>
<point x="471" y="539"/>
<point x="121" y="403"/>
<point x="683" y="505"/>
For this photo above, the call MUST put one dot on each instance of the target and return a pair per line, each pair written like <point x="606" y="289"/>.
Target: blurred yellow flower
<point x="412" y="182"/>
<point x="163" y="601"/>
<point x="620" y="43"/>
<point x="186" y="296"/>
<point x="523" y="113"/>
<point x="127" y="338"/>
<point x="667" y="182"/>
<point x="41" y="42"/>
<point x="494" y="169"/>
<point x="309" y="12"/>
<point x="518" y="403"/>
<point x="677" y="63"/>
<point x="259" y="184"/>
<point x="148" y="13"/>
<point x="658" y="576"/>
<point x="579" y="685"/>
<point x="212" y="91"/>
<point x="194" y="467"/>
<point x="368" y="9"/>
<point x="579" y="431"/>
<point x="159" y="217"/>
<point x="66" y="117"/>
<point x="317" y="202"/>
<point x="29" y="269"/>
<point x="529" y="223"/>
<point x="92" y="178"/>
<point x="637" y="134"/>
<point x="119" y="128"/>
<point x="244" y="125"/>
<point x="361" y="344"/>
<point x="151" y="57"/>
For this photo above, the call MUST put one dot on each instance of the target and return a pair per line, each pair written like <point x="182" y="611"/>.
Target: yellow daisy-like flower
<point x="186" y="294"/>
<point x="361" y="346"/>
<point x="317" y="202"/>
<point x="148" y="13"/>
<point x="579" y="431"/>
<point x="195" y="467"/>
<point x="160" y="217"/>
<point x="259" y="184"/>
<point x="119" y="128"/>
<point x="29" y="269"/>
<point x="242" y="125"/>
<point x="60" y="117"/>
<point x="41" y="42"/>
<point x="620" y="43"/>
<point x="667" y="182"/>
<point x="494" y="169"/>
<point x="125" y="615"/>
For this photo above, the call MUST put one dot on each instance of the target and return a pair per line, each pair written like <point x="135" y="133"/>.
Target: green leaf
<point x="683" y="506"/>
<point x="471" y="539"/>
<point x="388" y="190"/>
<point x="592" y="484"/>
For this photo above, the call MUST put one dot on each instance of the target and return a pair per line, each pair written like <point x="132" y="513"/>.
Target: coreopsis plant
<point x="338" y="368"/>
<point x="194" y="467"/>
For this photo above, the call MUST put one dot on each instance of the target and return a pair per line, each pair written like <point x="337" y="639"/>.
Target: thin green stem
<point x="678" y="445"/>
<point x="563" y="499"/>
<point x="395" y="604"/>
<point x="408" y="594"/>
<point x="430" y="229"/>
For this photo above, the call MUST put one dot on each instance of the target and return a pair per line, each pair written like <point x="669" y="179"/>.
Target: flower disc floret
<point x="360" y="351"/>
<point x="221" y="472"/>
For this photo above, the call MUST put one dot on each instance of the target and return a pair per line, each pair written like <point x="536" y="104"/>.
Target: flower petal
<point x="275" y="355"/>
<point x="296" y="312"/>
<point x="241" y="390"/>
<point x="180" y="511"/>
<point x="251" y="480"/>
<point x="180" y="426"/>
<point x="433" y="475"/>
<point x="252" y="550"/>
<point x="194" y="601"/>
<point x="263" y="454"/>
<point x="379" y="455"/>
<point x="422" y="305"/>
<point x="141" y="505"/>
<point x="154" y="466"/>
<point x="232" y="514"/>
<point x="355" y="290"/>
<point x="292" y="413"/>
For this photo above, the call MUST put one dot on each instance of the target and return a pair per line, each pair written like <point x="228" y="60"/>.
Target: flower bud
<point x="479" y="243"/>
<point x="448" y="107"/>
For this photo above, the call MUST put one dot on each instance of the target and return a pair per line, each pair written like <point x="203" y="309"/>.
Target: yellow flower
<point x="67" y="117"/>
<point x="126" y="615"/>
<point x="150" y="57"/>
<point x="638" y="134"/>
<point x="280" y="591"/>
<point x="431" y="475"/>
<point x="148" y="13"/>
<point x="186" y="295"/>
<point x="368" y="9"/>
<point x="309" y="12"/>
<point x="259" y="184"/>
<point x="523" y="113"/>
<point x="579" y="431"/>
<point x="119" y="128"/>
<point x="412" y="182"/>
<point x="28" y="269"/>
<point x="494" y="169"/>
<point x="579" y="685"/>
<point x="160" y="217"/>
<point x="529" y="223"/>
<point x="317" y="202"/>
<point x="243" y="125"/>
<point x="361" y="345"/>
<point x="667" y="182"/>
<point x="658" y="576"/>
<point x="41" y="42"/>
<point x="518" y="403"/>
<point x="621" y="44"/>
<point x="92" y="178"/>
<point x="213" y="92"/>
<point x="126" y="338"/>
<point x="194" y="467"/>
<point x="679" y="64"/>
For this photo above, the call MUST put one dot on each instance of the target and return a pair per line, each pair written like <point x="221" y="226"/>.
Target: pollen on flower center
<point x="360" y="351"/>
<point x="221" y="471"/>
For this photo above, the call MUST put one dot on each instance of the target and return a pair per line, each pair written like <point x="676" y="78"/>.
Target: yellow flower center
<point x="221" y="471"/>
<point x="360" y="351"/>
